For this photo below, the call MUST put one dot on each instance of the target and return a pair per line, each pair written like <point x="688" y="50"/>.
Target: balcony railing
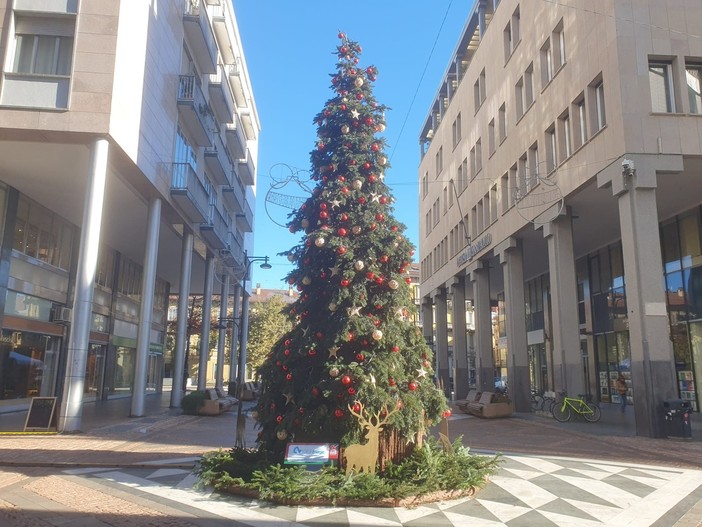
<point x="237" y="78"/>
<point x="199" y="33"/>
<point x="215" y="229"/>
<point x="221" y="95"/>
<point x="194" y="110"/>
<point x="244" y="220"/>
<point x="188" y="192"/>
<point x="225" y="31"/>
<point x="247" y="170"/>
<point x="218" y="162"/>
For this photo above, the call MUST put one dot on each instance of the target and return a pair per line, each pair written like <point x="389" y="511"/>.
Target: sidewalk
<point x="546" y="465"/>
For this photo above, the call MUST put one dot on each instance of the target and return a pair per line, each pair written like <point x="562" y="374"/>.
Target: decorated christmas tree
<point x="354" y="364"/>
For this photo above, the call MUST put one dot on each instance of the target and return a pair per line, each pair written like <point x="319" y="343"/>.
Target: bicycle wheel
<point x="561" y="412"/>
<point x="595" y="415"/>
<point x="537" y="403"/>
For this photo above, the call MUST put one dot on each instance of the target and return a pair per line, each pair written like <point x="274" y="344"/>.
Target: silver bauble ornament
<point x="334" y="372"/>
<point x="332" y="307"/>
<point x="358" y="82"/>
<point x="359" y="265"/>
<point x="377" y="334"/>
<point x="393" y="284"/>
<point x="382" y="160"/>
<point x="357" y="184"/>
<point x="380" y="127"/>
<point x="319" y="242"/>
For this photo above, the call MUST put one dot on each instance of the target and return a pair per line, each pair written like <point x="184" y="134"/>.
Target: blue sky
<point x="289" y="48"/>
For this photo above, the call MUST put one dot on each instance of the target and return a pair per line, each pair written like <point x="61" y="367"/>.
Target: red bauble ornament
<point x="360" y="357"/>
<point x="311" y="352"/>
<point x="327" y="113"/>
<point x="301" y="411"/>
<point x="288" y="342"/>
<point x="292" y="229"/>
<point x="278" y="363"/>
<point x="447" y="414"/>
<point x="391" y="381"/>
<point x="350" y="337"/>
<point x="379" y="280"/>
<point x="372" y="178"/>
<point x="359" y="96"/>
<point x="341" y="35"/>
<point x="342" y="107"/>
<point x="344" y="190"/>
<point x="272" y="407"/>
<point x="374" y="147"/>
<point x="345" y="283"/>
<point x="379" y="307"/>
<point x="320" y="146"/>
<point x="393" y="228"/>
<point x="342" y="178"/>
<point x="288" y="377"/>
<point x="352" y="391"/>
<point x="323" y="214"/>
<point x="427" y="364"/>
<point x="279" y="419"/>
<point x="409" y="281"/>
<point x="373" y="226"/>
<point x="412" y="386"/>
<point x="376" y="323"/>
<point x="384" y="258"/>
<point x="346" y="380"/>
<point x="344" y="217"/>
<point x="378" y="217"/>
<point x="286" y="353"/>
<point x="352" y="162"/>
<point x="323" y="206"/>
<point x="370" y="275"/>
<point x="285" y="367"/>
<point x="395" y="349"/>
<point x="369" y="121"/>
<point x="338" y="413"/>
<point x="361" y="200"/>
<point x="341" y="250"/>
<point x="342" y="232"/>
<point x="319" y="335"/>
<point x="343" y="49"/>
<point x="366" y="165"/>
<point x="315" y="391"/>
<point x="356" y="407"/>
<point x="383" y="200"/>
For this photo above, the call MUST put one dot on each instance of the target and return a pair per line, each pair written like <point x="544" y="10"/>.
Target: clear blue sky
<point x="289" y="48"/>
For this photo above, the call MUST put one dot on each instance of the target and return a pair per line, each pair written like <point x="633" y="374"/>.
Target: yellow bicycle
<point x="582" y="405"/>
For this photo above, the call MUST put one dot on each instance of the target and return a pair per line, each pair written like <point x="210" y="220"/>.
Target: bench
<point x="490" y="405"/>
<point x="249" y="391"/>
<point x="216" y="402"/>
<point x="473" y="396"/>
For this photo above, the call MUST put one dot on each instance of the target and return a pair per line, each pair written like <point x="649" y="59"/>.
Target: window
<point x="493" y="203"/>
<point x="693" y="75"/>
<point x="551" y="150"/>
<point x="43" y="54"/>
<point x="502" y="122"/>
<point x="533" y="165"/>
<point x="425" y="185"/>
<point x="519" y="97"/>
<point x="456" y="130"/>
<point x="476" y="161"/>
<point x="445" y="200"/>
<point x="558" y="38"/>
<point x="439" y="161"/>
<point x="546" y="63"/>
<point x="522" y="172"/>
<point x="514" y="195"/>
<point x="479" y="92"/>
<point x="564" y="136"/>
<point x="184" y="153"/>
<point x="451" y="191"/>
<point x="505" y="193"/>
<point x="511" y="34"/>
<point x="529" y="86"/>
<point x="579" y="122"/>
<point x="41" y="234"/>
<point x="661" y="81"/>
<point x="491" y="137"/>
<point x="596" y="106"/>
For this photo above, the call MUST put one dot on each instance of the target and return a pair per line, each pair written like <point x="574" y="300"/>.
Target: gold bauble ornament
<point x="332" y="307"/>
<point x="359" y="265"/>
<point x="358" y="82"/>
<point x="345" y="129"/>
<point x="356" y="229"/>
<point x="393" y="284"/>
<point x="334" y="372"/>
<point x="382" y="160"/>
<point x="306" y="280"/>
<point x="319" y="242"/>
<point x="281" y="435"/>
<point x="357" y="184"/>
<point x="377" y="334"/>
<point x="305" y="223"/>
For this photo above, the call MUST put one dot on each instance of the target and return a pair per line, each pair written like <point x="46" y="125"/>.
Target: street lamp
<point x="243" y="338"/>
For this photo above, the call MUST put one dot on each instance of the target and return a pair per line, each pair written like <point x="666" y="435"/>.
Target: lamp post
<point x="243" y="338"/>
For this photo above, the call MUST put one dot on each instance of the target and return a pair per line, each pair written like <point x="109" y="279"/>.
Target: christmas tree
<point x="353" y="357"/>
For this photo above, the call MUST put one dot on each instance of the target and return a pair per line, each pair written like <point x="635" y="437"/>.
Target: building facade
<point x="128" y="144"/>
<point x="560" y="195"/>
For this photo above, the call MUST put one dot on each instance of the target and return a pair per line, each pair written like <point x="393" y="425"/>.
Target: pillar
<point x="652" y="360"/>
<point x="244" y="337"/>
<point x="234" y="348"/>
<point x="510" y="254"/>
<point x="484" y="365"/>
<point x="565" y="326"/>
<point x="181" y="343"/>
<point x="442" y="366"/>
<point x="146" y="310"/>
<point x="71" y="409"/>
<point x="460" y="348"/>
<point x="221" y="338"/>
<point x="206" y="317"/>
<point x="428" y="321"/>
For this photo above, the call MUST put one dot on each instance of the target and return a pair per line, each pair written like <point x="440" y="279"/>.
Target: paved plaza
<point x="138" y="472"/>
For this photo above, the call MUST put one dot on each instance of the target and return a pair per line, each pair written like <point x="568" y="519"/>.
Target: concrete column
<point x="71" y="409"/>
<point x="565" y="329"/>
<point x="181" y="344"/>
<point x="460" y="348"/>
<point x="206" y="317"/>
<point x="484" y="364"/>
<point x="510" y="254"/>
<point x="441" y="308"/>
<point x="146" y="310"/>
<point x="221" y="338"/>
<point x="652" y="360"/>
<point x="241" y="369"/>
<point x="428" y="321"/>
<point x="234" y="348"/>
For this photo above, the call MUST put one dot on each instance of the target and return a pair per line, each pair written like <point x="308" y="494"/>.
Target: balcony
<point x="224" y="29"/>
<point x="233" y="254"/>
<point x="188" y="192"/>
<point x="199" y="35"/>
<point x="214" y="231"/>
<point x="248" y="123"/>
<point x="244" y="220"/>
<point x="221" y="97"/>
<point x="236" y="77"/>
<point x="234" y="196"/>
<point x="194" y="110"/>
<point x="218" y="163"/>
<point x="236" y="140"/>
<point x="247" y="170"/>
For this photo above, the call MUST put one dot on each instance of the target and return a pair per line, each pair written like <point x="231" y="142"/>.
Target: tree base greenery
<point x="192" y="402"/>
<point x="431" y="473"/>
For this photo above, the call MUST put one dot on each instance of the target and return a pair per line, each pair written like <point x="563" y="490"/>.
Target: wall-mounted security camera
<point x="628" y="165"/>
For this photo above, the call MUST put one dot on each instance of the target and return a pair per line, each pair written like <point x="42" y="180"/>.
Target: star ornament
<point x="335" y="203"/>
<point x="334" y="270"/>
<point x="333" y="352"/>
<point x="304" y="331"/>
<point x="289" y="398"/>
<point x="354" y="311"/>
<point x="375" y="197"/>
<point x="421" y="372"/>
<point x="355" y="114"/>
<point x="400" y="312"/>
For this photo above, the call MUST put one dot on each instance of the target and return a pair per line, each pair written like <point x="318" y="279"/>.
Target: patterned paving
<point x="527" y="491"/>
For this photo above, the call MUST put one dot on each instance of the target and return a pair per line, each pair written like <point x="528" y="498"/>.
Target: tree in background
<point x="267" y="323"/>
<point x="352" y="357"/>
